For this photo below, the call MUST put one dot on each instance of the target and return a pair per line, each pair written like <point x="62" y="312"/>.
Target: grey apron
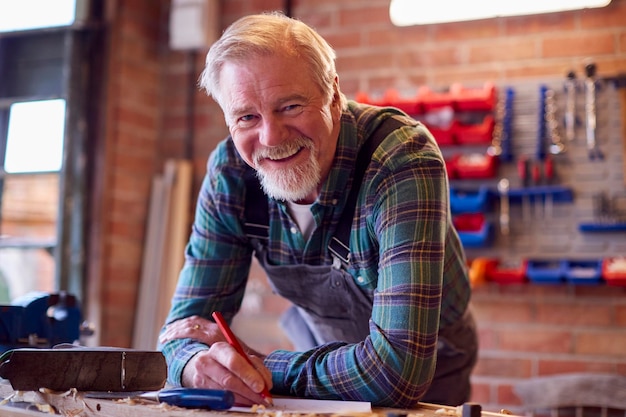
<point x="329" y="306"/>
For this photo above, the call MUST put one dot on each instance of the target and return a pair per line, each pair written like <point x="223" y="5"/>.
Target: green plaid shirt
<point x="403" y="246"/>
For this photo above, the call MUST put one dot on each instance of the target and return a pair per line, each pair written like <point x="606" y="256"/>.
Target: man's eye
<point x="246" y="120"/>
<point x="292" y="108"/>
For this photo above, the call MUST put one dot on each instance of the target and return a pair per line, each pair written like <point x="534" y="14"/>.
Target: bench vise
<point x="39" y="320"/>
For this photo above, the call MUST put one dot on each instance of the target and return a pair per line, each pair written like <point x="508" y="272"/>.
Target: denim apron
<point x="328" y="306"/>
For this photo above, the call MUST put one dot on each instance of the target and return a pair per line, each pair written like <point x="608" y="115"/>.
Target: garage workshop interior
<point x="105" y="136"/>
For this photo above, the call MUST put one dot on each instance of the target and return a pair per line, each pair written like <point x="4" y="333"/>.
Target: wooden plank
<point x="75" y="404"/>
<point x="164" y="254"/>
<point x="622" y="97"/>
<point x="12" y="411"/>
<point x="143" y="332"/>
<point x="176" y="237"/>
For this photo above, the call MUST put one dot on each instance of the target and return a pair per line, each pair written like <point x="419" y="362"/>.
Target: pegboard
<point x="547" y="228"/>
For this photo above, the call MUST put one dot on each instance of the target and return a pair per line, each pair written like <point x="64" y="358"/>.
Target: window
<point x="413" y="12"/>
<point x="36" y="51"/>
<point x="35" y="125"/>
<point x="18" y="15"/>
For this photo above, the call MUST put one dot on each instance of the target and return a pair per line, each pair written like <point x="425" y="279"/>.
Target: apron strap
<point x="339" y="245"/>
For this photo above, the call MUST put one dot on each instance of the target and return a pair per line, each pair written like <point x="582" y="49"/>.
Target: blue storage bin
<point x="546" y="271"/>
<point x="477" y="239"/>
<point x="584" y="272"/>
<point x="468" y="201"/>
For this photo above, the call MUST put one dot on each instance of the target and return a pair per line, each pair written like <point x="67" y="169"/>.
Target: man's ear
<point x="336" y="100"/>
<point x="336" y="95"/>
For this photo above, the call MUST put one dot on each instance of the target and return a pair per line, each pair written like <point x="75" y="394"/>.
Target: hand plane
<point x="85" y="369"/>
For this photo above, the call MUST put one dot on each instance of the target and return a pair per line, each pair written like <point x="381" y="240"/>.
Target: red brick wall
<point x="128" y="158"/>
<point x="525" y="331"/>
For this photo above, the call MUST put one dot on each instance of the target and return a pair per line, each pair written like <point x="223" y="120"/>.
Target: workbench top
<point x="76" y="404"/>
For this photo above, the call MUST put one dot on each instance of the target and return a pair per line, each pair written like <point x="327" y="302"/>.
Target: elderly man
<point x="346" y="208"/>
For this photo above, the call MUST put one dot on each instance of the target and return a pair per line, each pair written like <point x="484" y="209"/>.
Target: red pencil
<point x="232" y="340"/>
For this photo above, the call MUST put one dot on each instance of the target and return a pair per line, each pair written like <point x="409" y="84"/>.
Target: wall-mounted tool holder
<point x="560" y="178"/>
<point x="455" y="116"/>
<point x="609" y="271"/>
<point x="609" y="214"/>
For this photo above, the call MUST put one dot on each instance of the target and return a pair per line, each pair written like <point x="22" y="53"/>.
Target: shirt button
<point x="294" y="230"/>
<point x="360" y="280"/>
<point x="334" y="201"/>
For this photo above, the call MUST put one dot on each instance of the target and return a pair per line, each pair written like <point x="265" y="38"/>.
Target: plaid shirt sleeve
<point x="217" y="256"/>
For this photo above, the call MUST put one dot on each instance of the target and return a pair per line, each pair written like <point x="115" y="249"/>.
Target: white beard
<point x="291" y="184"/>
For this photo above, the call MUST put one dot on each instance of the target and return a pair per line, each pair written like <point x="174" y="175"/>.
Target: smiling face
<point x="281" y="122"/>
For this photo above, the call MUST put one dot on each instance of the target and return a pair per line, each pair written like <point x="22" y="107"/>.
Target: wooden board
<point x="163" y="258"/>
<point x="75" y="404"/>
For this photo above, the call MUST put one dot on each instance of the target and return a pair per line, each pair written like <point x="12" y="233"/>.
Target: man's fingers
<point x="265" y="373"/>
<point x="210" y="369"/>
<point x="252" y="376"/>
<point x="193" y="327"/>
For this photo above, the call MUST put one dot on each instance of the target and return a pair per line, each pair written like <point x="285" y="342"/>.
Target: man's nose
<point x="273" y="132"/>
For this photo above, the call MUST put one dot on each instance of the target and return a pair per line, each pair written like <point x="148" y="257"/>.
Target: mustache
<point x="284" y="150"/>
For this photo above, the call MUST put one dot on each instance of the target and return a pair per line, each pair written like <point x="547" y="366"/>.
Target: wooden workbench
<point x="76" y="405"/>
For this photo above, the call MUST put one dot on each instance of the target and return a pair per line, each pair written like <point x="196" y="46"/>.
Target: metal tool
<point x="523" y="172"/>
<point x="593" y="149"/>
<point x="552" y="124"/>
<point x="570" y="106"/>
<point x="503" y="190"/>
<point x="41" y="320"/>
<point x="548" y="173"/>
<point x="84" y="368"/>
<point x="209" y="399"/>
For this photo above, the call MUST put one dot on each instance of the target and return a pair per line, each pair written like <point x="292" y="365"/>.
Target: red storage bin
<point x="614" y="271"/>
<point x="475" y="166"/>
<point x="507" y="273"/>
<point x="409" y="105"/>
<point x="474" y="99"/>
<point x="444" y="137"/>
<point x="469" y="222"/>
<point x="432" y="99"/>
<point x="482" y="133"/>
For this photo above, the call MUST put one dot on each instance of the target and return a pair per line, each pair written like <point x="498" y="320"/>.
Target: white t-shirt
<point x="303" y="217"/>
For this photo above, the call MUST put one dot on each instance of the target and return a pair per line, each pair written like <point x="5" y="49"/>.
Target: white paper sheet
<point x="307" y="406"/>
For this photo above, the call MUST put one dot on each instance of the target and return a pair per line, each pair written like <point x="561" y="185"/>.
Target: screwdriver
<point x="548" y="175"/>
<point x="522" y="172"/>
<point x="209" y="399"/>
<point x="536" y="180"/>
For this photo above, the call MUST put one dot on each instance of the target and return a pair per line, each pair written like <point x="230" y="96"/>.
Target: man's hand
<point x="220" y="366"/>
<point x="193" y="327"/>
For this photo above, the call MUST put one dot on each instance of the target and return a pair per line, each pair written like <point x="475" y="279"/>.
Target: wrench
<point x="503" y="190"/>
<point x="570" y="106"/>
<point x="590" y="110"/>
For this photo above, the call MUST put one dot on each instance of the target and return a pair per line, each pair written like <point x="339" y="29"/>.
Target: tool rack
<point x="555" y="235"/>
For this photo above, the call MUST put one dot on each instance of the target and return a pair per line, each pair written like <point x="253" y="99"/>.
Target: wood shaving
<point x="73" y="413"/>
<point x="7" y="399"/>
<point x="45" y="408"/>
